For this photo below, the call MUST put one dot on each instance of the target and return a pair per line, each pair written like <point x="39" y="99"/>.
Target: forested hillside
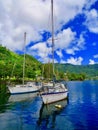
<point x="11" y="65"/>
<point x="90" y="71"/>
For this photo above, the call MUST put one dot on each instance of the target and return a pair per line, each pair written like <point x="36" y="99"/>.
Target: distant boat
<point x="29" y="87"/>
<point x="53" y="92"/>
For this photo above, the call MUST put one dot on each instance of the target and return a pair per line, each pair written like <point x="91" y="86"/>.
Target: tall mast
<point x="52" y="22"/>
<point x="24" y="57"/>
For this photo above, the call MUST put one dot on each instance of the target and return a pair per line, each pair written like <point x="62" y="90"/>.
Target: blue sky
<point x="75" y="26"/>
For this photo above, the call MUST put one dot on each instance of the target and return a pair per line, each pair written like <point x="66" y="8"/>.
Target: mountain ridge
<point x="91" y="70"/>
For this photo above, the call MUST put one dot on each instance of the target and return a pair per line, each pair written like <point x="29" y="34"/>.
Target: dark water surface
<point x="26" y="112"/>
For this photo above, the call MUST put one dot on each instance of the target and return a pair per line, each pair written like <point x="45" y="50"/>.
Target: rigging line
<point x="24" y="57"/>
<point x="52" y="20"/>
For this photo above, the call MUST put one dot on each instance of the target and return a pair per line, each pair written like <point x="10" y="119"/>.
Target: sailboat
<point x="54" y="91"/>
<point x="29" y="87"/>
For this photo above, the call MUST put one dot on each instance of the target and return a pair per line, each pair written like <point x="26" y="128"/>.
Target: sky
<point x="75" y="29"/>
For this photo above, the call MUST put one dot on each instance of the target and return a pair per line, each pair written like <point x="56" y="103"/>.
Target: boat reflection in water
<point x="22" y="97"/>
<point x="48" y="113"/>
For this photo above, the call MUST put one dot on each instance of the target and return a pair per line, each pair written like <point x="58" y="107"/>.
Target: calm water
<point x="26" y="112"/>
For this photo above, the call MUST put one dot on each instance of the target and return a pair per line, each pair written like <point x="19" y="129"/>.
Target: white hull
<point x="54" y="97"/>
<point x="22" y="89"/>
<point x="54" y="94"/>
<point x="22" y="97"/>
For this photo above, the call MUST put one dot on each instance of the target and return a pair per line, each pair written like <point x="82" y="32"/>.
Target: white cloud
<point x="21" y="16"/>
<point x="76" y="45"/>
<point x="92" y="20"/>
<point x="81" y="41"/>
<point x="74" y="61"/>
<point x="41" y="50"/>
<point x="64" y="39"/>
<point x="59" y="53"/>
<point x="67" y="10"/>
<point x="96" y="56"/>
<point x="91" y="62"/>
<point x="89" y="3"/>
<point x="33" y="16"/>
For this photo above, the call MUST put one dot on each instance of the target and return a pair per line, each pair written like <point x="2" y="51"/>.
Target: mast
<point x="24" y="57"/>
<point x="52" y="22"/>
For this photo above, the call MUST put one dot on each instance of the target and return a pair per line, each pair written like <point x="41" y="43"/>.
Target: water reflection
<point x="3" y="98"/>
<point x="3" y="102"/>
<point x="48" y="113"/>
<point x="22" y="97"/>
<point x="22" y="112"/>
<point x="26" y="112"/>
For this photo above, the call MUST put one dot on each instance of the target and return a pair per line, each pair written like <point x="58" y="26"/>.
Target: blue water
<point x="79" y="112"/>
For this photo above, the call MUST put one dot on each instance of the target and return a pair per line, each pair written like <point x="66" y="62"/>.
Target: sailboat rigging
<point x="56" y="91"/>
<point x="28" y="87"/>
<point x="52" y="21"/>
<point x="24" y="57"/>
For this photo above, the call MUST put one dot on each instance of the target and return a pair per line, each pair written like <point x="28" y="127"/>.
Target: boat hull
<point x="54" y="97"/>
<point x="20" y="89"/>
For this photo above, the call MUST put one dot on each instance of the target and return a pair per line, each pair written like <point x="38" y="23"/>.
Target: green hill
<point x="88" y="70"/>
<point x="11" y="65"/>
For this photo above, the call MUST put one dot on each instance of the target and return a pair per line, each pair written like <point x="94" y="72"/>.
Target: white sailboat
<point x="56" y="91"/>
<point x="29" y="87"/>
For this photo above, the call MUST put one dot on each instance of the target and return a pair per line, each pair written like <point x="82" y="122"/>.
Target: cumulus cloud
<point x="21" y="16"/>
<point x="33" y="16"/>
<point x="74" y="61"/>
<point x="59" y="53"/>
<point x="96" y="56"/>
<point x="64" y="38"/>
<point x="92" y="20"/>
<point x="76" y="45"/>
<point x="41" y="50"/>
<point x="91" y="62"/>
